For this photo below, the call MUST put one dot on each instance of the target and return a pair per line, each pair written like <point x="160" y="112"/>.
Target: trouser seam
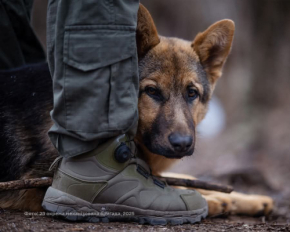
<point x="66" y="41"/>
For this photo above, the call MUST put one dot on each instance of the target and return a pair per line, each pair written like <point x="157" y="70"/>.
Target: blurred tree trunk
<point x="271" y="54"/>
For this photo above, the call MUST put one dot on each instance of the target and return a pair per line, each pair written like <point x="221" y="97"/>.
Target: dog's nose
<point x="179" y="142"/>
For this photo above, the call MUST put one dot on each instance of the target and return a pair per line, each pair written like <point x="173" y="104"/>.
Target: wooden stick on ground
<point x="47" y="181"/>
<point x="26" y="184"/>
<point x="197" y="184"/>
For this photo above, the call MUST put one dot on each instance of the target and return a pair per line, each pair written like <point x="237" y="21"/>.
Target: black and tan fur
<point x="171" y="72"/>
<point x="172" y="67"/>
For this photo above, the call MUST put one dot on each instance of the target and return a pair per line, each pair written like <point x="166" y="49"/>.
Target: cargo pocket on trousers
<point x="100" y="78"/>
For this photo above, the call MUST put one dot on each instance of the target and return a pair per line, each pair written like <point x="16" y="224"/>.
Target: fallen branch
<point x="197" y="184"/>
<point x="26" y="184"/>
<point x="47" y="181"/>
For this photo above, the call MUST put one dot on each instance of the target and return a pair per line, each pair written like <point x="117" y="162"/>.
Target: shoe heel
<point x="54" y="199"/>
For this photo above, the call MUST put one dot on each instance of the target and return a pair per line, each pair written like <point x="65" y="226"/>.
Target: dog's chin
<point x="170" y="153"/>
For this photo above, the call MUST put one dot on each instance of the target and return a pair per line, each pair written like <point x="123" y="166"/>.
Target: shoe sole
<point x="71" y="208"/>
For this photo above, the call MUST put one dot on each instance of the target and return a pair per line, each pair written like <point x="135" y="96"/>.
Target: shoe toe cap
<point x="193" y="200"/>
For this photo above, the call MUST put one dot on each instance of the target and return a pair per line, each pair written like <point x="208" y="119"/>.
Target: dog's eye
<point x="154" y="93"/>
<point x="192" y="93"/>
<point x="151" y="91"/>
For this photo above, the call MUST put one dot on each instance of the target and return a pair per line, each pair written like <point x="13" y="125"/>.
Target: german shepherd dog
<point x="177" y="79"/>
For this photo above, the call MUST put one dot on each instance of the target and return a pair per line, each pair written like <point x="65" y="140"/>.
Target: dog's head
<point x="177" y="78"/>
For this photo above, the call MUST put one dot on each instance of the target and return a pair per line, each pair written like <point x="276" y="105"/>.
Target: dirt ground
<point x="279" y="220"/>
<point x="18" y="221"/>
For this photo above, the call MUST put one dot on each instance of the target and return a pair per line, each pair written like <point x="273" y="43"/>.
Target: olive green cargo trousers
<point x="18" y="44"/>
<point x="92" y="56"/>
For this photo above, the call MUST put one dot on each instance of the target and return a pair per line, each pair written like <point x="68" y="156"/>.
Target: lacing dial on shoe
<point x="122" y="153"/>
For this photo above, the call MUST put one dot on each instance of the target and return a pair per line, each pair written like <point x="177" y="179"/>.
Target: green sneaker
<point x="111" y="184"/>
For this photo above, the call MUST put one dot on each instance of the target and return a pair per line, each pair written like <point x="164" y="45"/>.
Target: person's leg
<point x="19" y="44"/>
<point x="92" y="57"/>
<point x="93" y="60"/>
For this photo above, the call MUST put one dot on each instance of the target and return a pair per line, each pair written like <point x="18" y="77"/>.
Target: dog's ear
<point x="213" y="46"/>
<point x="146" y="33"/>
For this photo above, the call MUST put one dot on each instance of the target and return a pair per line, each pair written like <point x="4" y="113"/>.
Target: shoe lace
<point x="141" y="163"/>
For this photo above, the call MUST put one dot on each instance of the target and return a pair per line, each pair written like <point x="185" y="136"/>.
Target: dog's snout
<point x="180" y="143"/>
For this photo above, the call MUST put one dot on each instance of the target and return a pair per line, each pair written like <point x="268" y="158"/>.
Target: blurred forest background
<point x="253" y="150"/>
